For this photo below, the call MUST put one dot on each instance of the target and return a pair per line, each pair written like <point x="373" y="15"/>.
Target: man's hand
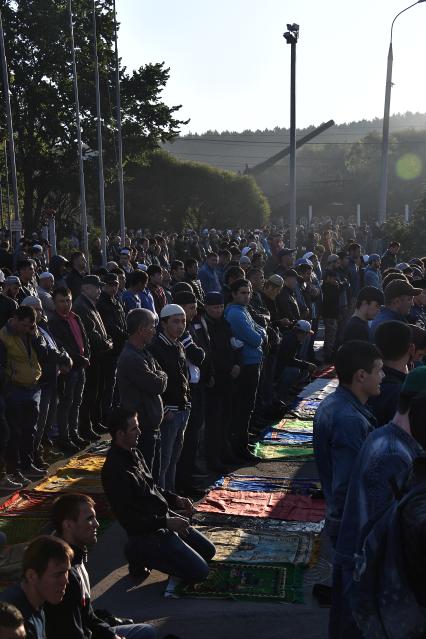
<point x="179" y="525"/>
<point x="235" y="371"/>
<point x="185" y="505"/>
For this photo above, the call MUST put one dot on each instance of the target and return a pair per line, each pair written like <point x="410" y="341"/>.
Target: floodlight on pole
<point x="291" y="37"/>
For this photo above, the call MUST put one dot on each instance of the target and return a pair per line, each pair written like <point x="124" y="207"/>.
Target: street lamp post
<point x="385" y="137"/>
<point x="292" y="36"/>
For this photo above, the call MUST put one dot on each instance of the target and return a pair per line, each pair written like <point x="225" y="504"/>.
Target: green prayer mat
<point x="275" y="451"/>
<point x="22" y="529"/>
<point x="246" y="581"/>
<point x="260" y="547"/>
<point x="293" y="425"/>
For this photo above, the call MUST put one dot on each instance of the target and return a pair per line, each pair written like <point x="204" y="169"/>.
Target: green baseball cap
<point x="415" y="382"/>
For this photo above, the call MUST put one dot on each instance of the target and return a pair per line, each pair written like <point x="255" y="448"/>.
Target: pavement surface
<point x="113" y="589"/>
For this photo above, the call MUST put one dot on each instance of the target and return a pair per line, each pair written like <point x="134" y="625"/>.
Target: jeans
<point x="136" y="631"/>
<point x="165" y="551"/>
<point x="69" y="403"/>
<point x="172" y="434"/>
<point x="341" y="624"/>
<point x="245" y="400"/>
<point x="47" y="412"/>
<point x="149" y="444"/>
<point x="22" y="408"/>
<point x="330" y="337"/>
<point x="4" y="433"/>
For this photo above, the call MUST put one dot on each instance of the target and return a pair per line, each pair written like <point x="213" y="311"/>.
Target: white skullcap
<point x="171" y="309"/>
<point x="45" y="275"/>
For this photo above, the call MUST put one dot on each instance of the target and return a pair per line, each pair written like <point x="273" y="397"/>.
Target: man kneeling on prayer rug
<point x="157" y="522"/>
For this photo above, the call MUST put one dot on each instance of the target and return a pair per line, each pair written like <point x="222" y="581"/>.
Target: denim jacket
<point x="341" y="425"/>
<point x="387" y="452"/>
<point x="385" y="315"/>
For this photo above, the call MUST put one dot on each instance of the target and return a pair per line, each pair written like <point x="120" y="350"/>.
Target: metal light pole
<point x="6" y="170"/>
<point x="100" y="146"/>
<point x="385" y="137"/>
<point x="11" y="140"/>
<point x="291" y="36"/>
<point x="83" y="209"/>
<point x="119" y="135"/>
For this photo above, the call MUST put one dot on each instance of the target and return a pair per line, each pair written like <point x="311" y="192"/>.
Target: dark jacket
<point x="139" y="505"/>
<point x="330" y="300"/>
<point x="114" y="319"/>
<point x="384" y="406"/>
<point x="389" y="260"/>
<point x="7" y="308"/>
<point x="287" y="305"/>
<point x="49" y="354"/>
<point x="34" y="620"/>
<point x="356" y="328"/>
<point x="74" y="280"/>
<point x="172" y="360"/>
<point x="196" y="287"/>
<point x="223" y="356"/>
<point x="95" y="329"/>
<point x="74" y="617"/>
<point x="141" y="383"/>
<point x="289" y="351"/>
<point x="63" y="336"/>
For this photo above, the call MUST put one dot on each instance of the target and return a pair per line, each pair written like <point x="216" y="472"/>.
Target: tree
<point x="39" y="58"/>
<point x="169" y="193"/>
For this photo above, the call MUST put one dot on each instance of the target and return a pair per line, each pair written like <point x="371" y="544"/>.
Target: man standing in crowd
<point x="372" y="274"/>
<point x="45" y="567"/>
<point x="399" y="296"/>
<point x="155" y="285"/>
<point x="208" y="275"/>
<point x="157" y="522"/>
<point x="170" y="354"/>
<point x="74" y="279"/>
<point x="389" y="258"/>
<point x="252" y="336"/>
<point x="141" y="384"/>
<point x="136" y="283"/>
<point x="100" y="344"/>
<point x="75" y="522"/>
<point x="114" y="319"/>
<point x="191" y="276"/>
<point x="417" y="313"/>
<point x="26" y="273"/>
<point x="21" y="372"/>
<point x="286" y="301"/>
<point x="45" y="287"/>
<point x="68" y="331"/>
<point x="368" y="304"/>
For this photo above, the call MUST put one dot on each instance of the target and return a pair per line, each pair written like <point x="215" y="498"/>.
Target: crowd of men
<point x="184" y="346"/>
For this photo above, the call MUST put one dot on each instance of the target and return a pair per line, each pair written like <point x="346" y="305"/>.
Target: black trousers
<point x="90" y="411"/>
<point x="187" y="464"/>
<point x="245" y="400"/>
<point x="218" y="420"/>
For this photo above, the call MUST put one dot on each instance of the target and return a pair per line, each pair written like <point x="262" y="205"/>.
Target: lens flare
<point x="409" y="167"/>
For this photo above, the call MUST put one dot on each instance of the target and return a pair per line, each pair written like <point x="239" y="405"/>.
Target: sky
<point x="230" y="65"/>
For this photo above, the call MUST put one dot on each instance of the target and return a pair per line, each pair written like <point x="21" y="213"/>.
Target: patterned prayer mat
<point x="328" y="372"/>
<point x="19" y="530"/>
<point x="287" y="439"/>
<point x="293" y="425"/>
<point x="36" y="504"/>
<point x="259" y="547"/>
<point x="264" y="505"/>
<point x="99" y="448"/>
<point x="272" y="450"/>
<point x="305" y="409"/>
<point x="255" y="523"/>
<point x="83" y="464"/>
<point x="318" y="385"/>
<point x="296" y="485"/>
<point x="244" y="581"/>
<point x="90" y="484"/>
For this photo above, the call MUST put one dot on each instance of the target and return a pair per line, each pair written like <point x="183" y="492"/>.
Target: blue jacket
<point x="245" y="329"/>
<point x="130" y="300"/>
<point x="372" y="277"/>
<point x="387" y="452"/>
<point x="209" y="279"/>
<point x="147" y="301"/>
<point x="385" y="315"/>
<point x="341" y="426"/>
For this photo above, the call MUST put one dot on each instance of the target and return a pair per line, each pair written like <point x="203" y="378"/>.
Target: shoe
<point x="39" y="462"/>
<point x="90" y="436"/>
<point x="19" y="478"/>
<point x="79" y="442"/>
<point x="32" y="472"/>
<point x="68" y="448"/>
<point x="8" y="483"/>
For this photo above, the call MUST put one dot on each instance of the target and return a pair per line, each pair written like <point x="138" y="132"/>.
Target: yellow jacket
<point x="21" y="368"/>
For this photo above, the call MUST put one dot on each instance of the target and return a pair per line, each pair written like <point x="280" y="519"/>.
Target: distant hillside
<point x="233" y="151"/>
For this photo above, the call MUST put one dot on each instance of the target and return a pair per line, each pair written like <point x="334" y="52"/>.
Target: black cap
<point x="291" y="273"/>
<point x="111" y="278"/>
<point x="93" y="280"/>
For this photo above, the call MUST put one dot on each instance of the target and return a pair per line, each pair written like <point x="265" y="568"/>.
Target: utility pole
<point x="292" y="36"/>
<point x="119" y="135"/>
<point x="11" y="140"/>
<point x="100" y="146"/>
<point x="83" y="208"/>
<point x="6" y="170"/>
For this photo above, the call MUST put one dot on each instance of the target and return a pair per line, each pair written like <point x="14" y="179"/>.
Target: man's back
<point x="34" y="620"/>
<point x="341" y="425"/>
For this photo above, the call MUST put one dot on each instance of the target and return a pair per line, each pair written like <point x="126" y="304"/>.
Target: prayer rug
<point x="264" y="505"/>
<point x="328" y="372"/>
<point x="245" y="581"/>
<point x="270" y="450"/>
<point x="99" y="448"/>
<point x="255" y="523"/>
<point x="83" y="464"/>
<point x="312" y="388"/>
<point x="57" y="484"/>
<point x="287" y="439"/>
<point x="22" y="529"/>
<point x="294" y="485"/>
<point x="259" y="547"/>
<point x="293" y="425"/>
<point x="36" y="504"/>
